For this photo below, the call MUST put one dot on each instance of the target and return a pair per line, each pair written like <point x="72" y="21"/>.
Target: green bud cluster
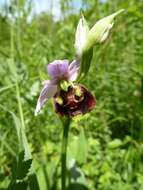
<point x="86" y="39"/>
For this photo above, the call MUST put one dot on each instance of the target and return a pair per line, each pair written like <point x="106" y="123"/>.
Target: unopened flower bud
<point x="81" y="36"/>
<point x="100" y="31"/>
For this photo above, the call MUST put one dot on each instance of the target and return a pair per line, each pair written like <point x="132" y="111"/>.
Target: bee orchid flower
<point x="70" y="99"/>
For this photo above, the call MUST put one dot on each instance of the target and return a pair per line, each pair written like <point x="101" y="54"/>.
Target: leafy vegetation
<point x="105" y="149"/>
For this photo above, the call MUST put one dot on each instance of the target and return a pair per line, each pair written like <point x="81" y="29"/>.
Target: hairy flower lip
<point x="72" y="106"/>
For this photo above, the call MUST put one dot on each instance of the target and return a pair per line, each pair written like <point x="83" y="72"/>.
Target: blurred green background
<point x="107" y="144"/>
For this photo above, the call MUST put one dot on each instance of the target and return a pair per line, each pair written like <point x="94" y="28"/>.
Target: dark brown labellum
<point x="77" y="100"/>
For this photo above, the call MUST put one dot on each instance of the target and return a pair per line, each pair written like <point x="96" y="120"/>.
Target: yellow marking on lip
<point x="59" y="100"/>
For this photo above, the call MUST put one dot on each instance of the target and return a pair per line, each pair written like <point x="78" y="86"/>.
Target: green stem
<point x="66" y="125"/>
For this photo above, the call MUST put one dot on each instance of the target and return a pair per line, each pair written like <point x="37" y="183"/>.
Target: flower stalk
<point x="66" y="125"/>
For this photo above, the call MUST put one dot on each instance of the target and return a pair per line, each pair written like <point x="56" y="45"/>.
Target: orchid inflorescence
<point x="71" y="98"/>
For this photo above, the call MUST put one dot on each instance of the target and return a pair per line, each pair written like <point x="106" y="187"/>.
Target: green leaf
<point x="23" y="166"/>
<point x="33" y="182"/>
<point x="77" y="178"/>
<point x="82" y="150"/>
<point x="115" y="144"/>
<point x="16" y="121"/>
<point x="2" y="176"/>
<point x="12" y="68"/>
<point x="18" y="186"/>
<point x="20" y="133"/>
<point x="77" y="186"/>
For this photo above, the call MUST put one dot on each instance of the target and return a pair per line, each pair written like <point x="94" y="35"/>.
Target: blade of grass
<point x="33" y="182"/>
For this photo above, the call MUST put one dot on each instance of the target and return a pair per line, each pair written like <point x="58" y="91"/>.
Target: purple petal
<point x="48" y="91"/>
<point x="58" y="69"/>
<point x="74" y="70"/>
